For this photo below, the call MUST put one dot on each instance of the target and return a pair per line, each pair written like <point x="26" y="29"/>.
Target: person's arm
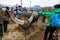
<point x="47" y="14"/>
<point x="19" y="12"/>
<point x="42" y="13"/>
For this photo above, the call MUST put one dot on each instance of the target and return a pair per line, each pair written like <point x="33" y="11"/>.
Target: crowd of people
<point x="23" y="13"/>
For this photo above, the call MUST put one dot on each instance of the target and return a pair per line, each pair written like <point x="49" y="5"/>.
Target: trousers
<point x="49" y="30"/>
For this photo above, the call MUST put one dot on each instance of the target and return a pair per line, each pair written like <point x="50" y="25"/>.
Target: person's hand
<point x="44" y="24"/>
<point x="52" y="24"/>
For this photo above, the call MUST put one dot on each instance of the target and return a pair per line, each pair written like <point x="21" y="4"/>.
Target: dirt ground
<point x="36" y="32"/>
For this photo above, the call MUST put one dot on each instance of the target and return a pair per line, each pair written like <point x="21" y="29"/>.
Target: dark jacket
<point x="7" y="16"/>
<point x="2" y="16"/>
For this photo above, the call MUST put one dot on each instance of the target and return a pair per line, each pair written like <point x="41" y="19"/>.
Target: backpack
<point x="56" y="20"/>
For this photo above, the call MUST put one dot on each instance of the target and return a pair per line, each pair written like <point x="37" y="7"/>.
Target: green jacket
<point x="48" y="14"/>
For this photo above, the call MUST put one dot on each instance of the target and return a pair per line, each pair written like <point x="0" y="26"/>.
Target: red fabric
<point x="43" y="38"/>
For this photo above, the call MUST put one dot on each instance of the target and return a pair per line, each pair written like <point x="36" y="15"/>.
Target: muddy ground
<point x="36" y="32"/>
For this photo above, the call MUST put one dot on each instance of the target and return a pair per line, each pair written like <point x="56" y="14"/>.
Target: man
<point x="6" y="19"/>
<point x="1" y="22"/>
<point x="16" y="9"/>
<point x="52" y="24"/>
<point x="49" y="28"/>
<point x="19" y="12"/>
<point x="57" y="7"/>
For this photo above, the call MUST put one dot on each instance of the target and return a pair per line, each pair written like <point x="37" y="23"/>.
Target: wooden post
<point x="21" y="2"/>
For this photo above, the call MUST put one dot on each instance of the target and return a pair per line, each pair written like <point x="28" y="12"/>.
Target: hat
<point x="57" y="6"/>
